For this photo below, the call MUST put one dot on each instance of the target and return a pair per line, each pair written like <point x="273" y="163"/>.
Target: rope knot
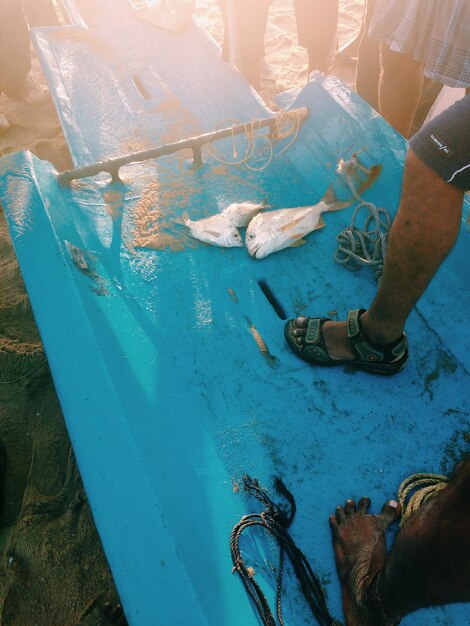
<point x="347" y="168"/>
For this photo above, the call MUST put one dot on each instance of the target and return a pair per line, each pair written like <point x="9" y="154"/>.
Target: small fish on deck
<point x="275" y="230"/>
<point x="217" y="230"/>
<point x="241" y="213"/>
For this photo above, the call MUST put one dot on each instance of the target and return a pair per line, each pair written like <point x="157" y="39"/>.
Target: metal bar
<point x="112" y="166"/>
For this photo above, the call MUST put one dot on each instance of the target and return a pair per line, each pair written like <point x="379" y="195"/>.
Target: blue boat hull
<point x="168" y="359"/>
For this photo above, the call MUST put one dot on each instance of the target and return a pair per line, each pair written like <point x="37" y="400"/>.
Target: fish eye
<point x="251" y="236"/>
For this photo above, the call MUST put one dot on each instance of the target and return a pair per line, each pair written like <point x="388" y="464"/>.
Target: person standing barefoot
<point x="428" y="565"/>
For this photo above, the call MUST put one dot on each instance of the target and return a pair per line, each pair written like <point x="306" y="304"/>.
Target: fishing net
<point x="275" y="520"/>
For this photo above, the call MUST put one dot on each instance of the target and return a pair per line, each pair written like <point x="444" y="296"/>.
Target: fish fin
<point x="332" y="202"/>
<point x="329" y="197"/>
<point x="298" y="242"/>
<point x="320" y="224"/>
<point x="264" y="203"/>
<point x="214" y="233"/>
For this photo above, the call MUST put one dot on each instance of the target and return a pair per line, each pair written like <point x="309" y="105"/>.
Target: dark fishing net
<point x="276" y="519"/>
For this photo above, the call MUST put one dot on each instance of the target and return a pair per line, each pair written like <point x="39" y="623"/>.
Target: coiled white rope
<point x="366" y="245"/>
<point x="286" y="124"/>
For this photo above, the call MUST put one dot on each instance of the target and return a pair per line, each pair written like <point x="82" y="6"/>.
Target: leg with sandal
<point x="422" y="235"/>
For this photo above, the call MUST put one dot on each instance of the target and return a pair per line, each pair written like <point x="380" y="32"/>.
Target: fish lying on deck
<point x="241" y="213"/>
<point x="222" y="229"/>
<point x="275" y="230"/>
<point x="218" y="230"/>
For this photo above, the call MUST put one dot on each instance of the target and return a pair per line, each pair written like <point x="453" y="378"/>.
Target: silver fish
<point x="217" y="230"/>
<point x="284" y="228"/>
<point x="241" y="213"/>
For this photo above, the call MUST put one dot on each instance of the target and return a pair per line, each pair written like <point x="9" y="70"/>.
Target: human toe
<point x="363" y="505"/>
<point x="333" y="522"/>
<point x="300" y="322"/>
<point x="298" y="326"/>
<point x="117" y="615"/>
<point x="349" y="507"/>
<point x="390" y="511"/>
<point x="106" y="609"/>
<point x="340" y="514"/>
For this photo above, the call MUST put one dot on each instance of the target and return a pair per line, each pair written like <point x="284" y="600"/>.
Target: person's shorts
<point x="444" y="144"/>
<point x="435" y="32"/>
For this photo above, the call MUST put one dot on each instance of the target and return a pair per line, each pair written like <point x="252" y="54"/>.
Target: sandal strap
<point x="362" y="345"/>
<point x="313" y="334"/>
<point x="313" y="340"/>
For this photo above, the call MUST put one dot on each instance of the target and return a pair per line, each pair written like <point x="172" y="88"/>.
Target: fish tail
<point x="332" y="202"/>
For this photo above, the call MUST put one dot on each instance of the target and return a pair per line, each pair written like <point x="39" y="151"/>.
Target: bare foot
<point x="360" y="554"/>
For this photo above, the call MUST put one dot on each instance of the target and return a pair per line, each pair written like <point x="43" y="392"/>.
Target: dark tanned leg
<point x="317" y="25"/>
<point x="423" y="233"/>
<point x="429" y="563"/>
<point x="400" y="87"/>
<point x="248" y="26"/>
<point x="368" y="62"/>
<point x="15" y="61"/>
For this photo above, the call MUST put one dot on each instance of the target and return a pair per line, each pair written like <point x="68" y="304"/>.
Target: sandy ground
<point x="51" y="560"/>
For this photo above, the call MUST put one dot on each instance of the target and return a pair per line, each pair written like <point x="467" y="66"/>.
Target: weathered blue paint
<point x="167" y="396"/>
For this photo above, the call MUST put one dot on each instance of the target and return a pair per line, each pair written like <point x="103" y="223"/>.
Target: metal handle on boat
<point x="112" y="166"/>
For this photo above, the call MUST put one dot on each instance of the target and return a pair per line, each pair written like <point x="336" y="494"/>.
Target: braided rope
<point x="366" y="245"/>
<point x="425" y="487"/>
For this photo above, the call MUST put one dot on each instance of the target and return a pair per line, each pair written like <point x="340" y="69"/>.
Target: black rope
<point x="276" y="519"/>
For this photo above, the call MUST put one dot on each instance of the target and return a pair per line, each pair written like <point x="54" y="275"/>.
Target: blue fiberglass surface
<point x="168" y="359"/>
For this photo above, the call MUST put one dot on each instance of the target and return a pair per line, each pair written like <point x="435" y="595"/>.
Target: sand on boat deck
<point x="51" y="560"/>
